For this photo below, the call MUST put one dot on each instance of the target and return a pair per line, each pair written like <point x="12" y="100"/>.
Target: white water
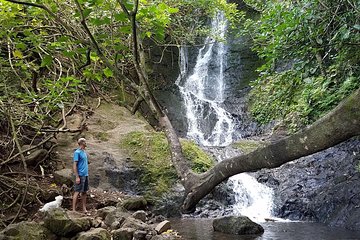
<point x="202" y="90"/>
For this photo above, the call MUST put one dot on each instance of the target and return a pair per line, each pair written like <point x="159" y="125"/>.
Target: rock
<point x="59" y="222"/>
<point x="237" y="225"/>
<point x="163" y="227"/>
<point x="116" y="216"/>
<point x="141" y="215"/>
<point x="94" y="234"/>
<point x="150" y="234"/>
<point x="170" y="204"/>
<point x="320" y="187"/>
<point x="139" y="235"/>
<point x="115" y="225"/>
<point x="165" y="237"/>
<point x="157" y="219"/>
<point x="96" y="222"/>
<point x="27" y="230"/>
<point x="64" y="176"/>
<point x="131" y="222"/>
<point x="123" y="234"/>
<point x="134" y="203"/>
<point x="103" y="212"/>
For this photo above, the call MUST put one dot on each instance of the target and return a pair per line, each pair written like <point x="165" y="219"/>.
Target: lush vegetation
<point x="150" y="152"/>
<point x="311" y="51"/>
<point x="47" y="59"/>
<point x="53" y="52"/>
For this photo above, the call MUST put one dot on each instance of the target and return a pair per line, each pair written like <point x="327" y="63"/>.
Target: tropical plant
<point x="312" y="58"/>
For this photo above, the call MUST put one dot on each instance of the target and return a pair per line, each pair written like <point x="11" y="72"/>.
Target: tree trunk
<point x="337" y="126"/>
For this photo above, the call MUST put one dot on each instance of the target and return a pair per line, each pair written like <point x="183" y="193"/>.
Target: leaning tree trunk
<point x="337" y="126"/>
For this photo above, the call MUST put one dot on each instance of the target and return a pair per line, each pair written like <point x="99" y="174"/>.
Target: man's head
<point x="82" y="143"/>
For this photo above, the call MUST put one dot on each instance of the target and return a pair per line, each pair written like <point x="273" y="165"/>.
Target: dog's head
<point x="59" y="198"/>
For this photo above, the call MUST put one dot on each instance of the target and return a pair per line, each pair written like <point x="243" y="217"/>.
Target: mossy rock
<point x="248" y="146"/>
<point x="134" y="204"/>
<point x="240" y="225"/>
<point x="94" y="234"/>
<point x="150" y="153"/>
<point x="27" y="230"/>
<point x="58" y="221"/>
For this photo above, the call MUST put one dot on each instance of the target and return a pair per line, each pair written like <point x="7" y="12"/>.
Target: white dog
<point x="53" y="204"/>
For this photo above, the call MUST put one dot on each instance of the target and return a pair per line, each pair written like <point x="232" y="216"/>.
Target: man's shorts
<point x="83" y="186"/>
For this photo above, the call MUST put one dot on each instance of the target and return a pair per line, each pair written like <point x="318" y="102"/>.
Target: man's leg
<point x="83" y="201"/>
<point x="84" y="193"/>
<point x="74" y="200"/>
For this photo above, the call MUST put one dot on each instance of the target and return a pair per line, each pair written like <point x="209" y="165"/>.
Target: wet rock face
<point x="107" y="173"/>
<point x="322" y="187"/>
<point x="213" y="205"/>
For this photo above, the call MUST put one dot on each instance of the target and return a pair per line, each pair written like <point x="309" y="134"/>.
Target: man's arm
<point x="75" y="168"/>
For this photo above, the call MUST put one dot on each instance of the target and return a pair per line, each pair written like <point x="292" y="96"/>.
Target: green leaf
<point x="121" y="17"/>
<point x="173" y="10"/>
<point x="18" y="54"/>
<point x="46" y="61"/>
<point x="69" y="53"/>
<point x="108" y="72"/>
<point x="87" y="12"/>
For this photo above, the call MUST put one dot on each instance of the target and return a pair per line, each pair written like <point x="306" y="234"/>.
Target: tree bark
<point x="337" y="126"/>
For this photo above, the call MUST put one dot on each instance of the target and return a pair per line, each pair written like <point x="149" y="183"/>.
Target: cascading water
<point x="209" y="124"/>
<point x="203" y="91"/>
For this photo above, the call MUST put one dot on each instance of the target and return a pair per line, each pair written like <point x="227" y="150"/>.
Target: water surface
<point x="201" y="229"/>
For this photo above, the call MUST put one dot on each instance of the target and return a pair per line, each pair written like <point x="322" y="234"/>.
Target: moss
<point x="200" y="161"/>
<point x="150" y="152"/>
<point x="103" y="136"/>
<point x="248" y="146"/>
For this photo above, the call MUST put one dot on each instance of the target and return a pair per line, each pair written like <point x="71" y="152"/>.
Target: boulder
<point x="134" y="203"/>
<point x="123" y="234"/>
<point x="141" y="215"/>
<point x="27" y="230"/>
<point x="131" y="222"/>
<point x="94" y="234"/>
<point x="96" y="222"/>
<point x="116" y="216"/>
<point x="115" y="225"/>
<point x="165" y="237"/>
<point x="157" y="219"/>
<point x="163" y="226"/>
<point x="59" y="222"/>
<point x="103" y="212"/>
<point x="139" y="235"/>
<point x="239" y="225"/>
<point x="64" y="176"/>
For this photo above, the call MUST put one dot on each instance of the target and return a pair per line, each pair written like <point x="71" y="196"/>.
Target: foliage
<point x="150" y="152"/>
<point x="43" y="56"/>
<point x="311" y="52"/>
<point x="200" y="161"/>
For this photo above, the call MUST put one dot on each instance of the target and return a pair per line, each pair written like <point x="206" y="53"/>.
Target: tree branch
<point x="45" y="9"/>
<point x="13" y="130"/>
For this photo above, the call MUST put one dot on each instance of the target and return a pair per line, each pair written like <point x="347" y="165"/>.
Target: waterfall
<point x="209" y="124"/>
<point x="203" y="91"/>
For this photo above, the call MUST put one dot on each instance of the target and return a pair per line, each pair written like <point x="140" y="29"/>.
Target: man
<point x="80" y="168"/>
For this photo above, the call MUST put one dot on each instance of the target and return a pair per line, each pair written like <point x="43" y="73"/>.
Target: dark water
<point x="201" y="229"/>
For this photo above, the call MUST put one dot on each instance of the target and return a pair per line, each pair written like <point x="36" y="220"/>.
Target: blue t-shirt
<point x="82" y="162"/>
